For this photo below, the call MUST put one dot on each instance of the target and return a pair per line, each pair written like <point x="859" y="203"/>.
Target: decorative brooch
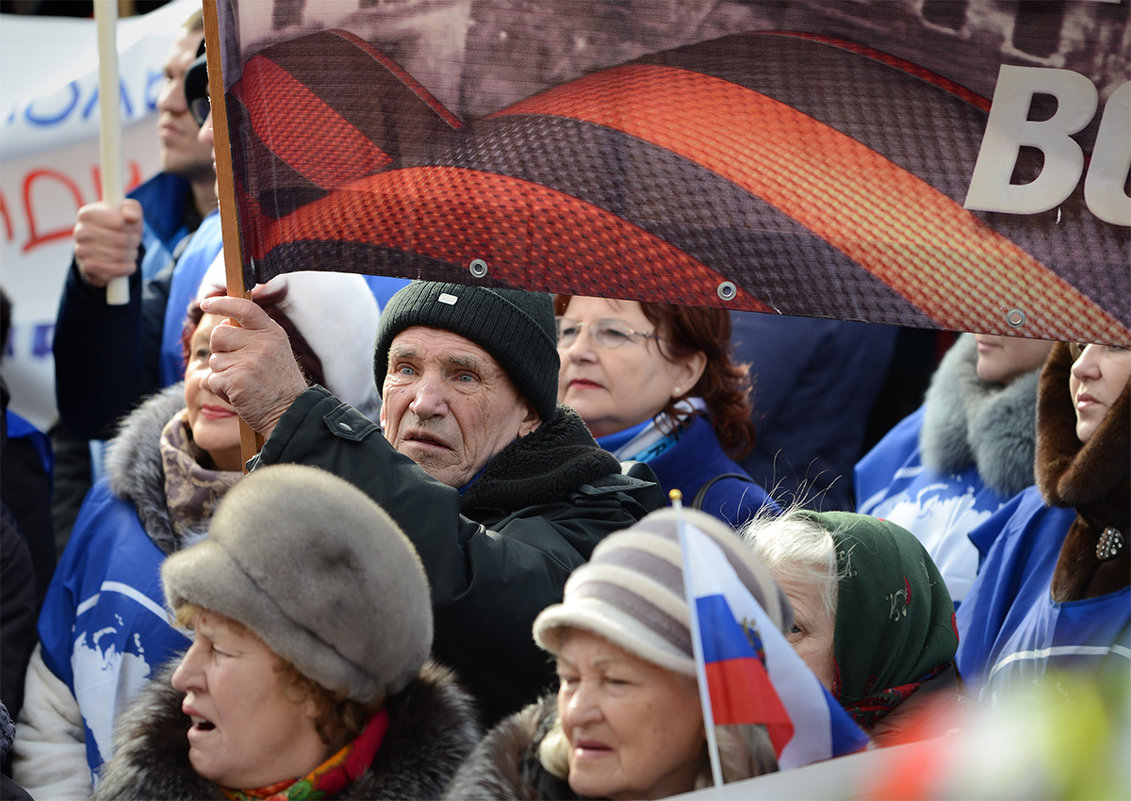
<point x="1110" y="543"/>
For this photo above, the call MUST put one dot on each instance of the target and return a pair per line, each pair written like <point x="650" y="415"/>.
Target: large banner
<point x="49" y="165"/>
<point x="957" y="164"/>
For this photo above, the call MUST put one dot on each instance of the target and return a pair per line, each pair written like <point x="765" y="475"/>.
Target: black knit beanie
<point x="515" y="327"/>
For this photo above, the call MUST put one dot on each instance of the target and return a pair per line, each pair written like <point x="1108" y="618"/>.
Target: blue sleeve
<point x="99" y="364"/>
<point x="103" y="628"/>
<point x="874" y="476"/>
<point x="982" y="614"/>
<point x="206" y="244"/>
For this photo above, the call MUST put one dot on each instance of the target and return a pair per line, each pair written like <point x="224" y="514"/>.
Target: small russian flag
<point x="751" y="672"/>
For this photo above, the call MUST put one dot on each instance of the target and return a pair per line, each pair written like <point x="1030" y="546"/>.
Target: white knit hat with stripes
<point x="631" y="591"/>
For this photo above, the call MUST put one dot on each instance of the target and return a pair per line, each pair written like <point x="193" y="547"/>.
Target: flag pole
<point x="697" y="645"/>
<point x="250" y="441"/>
<point x="110" y="127"/>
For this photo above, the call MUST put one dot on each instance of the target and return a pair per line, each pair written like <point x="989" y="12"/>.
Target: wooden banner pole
<point x="250" y="441"/>
<point x="110" y="127"/>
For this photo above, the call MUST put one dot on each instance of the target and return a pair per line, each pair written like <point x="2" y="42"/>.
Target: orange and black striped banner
<point x="793" y="172"/>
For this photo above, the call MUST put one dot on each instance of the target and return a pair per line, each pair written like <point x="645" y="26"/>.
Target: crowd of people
<point x="450" y="568"/>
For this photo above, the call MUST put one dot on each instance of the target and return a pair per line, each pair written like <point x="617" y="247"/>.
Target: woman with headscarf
<point x="102" y="629"/>
<point x="655" y="383"/>
<point x="872" y="616"/>
<point x="308" y="676"/>
<point x="626" y="721"/>
<point x="1053" y="590"/>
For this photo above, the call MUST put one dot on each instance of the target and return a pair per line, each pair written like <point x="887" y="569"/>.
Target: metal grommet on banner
<point x="478" y="268"/>
<point x="1015" y="317"/>
<point x="727" y="290"/>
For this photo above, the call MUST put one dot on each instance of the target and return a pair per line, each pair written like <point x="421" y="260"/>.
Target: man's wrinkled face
<point x="448" y="405"/>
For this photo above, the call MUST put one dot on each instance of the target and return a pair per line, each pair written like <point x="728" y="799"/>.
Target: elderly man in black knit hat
<point x="502" y="491"/>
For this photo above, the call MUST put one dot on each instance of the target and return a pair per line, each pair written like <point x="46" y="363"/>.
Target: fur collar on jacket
<point x="546" y="465"/>
<point x="504" y="766"/>
<point x="431" y="730"/>
<point x="1094" y="479"/>
<point x="970" y="421"/>
<point x="135" y="469"/>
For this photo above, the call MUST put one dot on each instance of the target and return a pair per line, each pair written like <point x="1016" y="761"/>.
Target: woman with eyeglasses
<point x="655" y="383"/>
<point x="1052" y="592"/>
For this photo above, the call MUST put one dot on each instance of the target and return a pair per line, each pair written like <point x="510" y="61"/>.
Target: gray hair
<point x="799" y="552"/>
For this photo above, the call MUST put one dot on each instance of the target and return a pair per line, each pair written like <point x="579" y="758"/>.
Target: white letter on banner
<point x="1008" y="129"/>
<point x="1111" y="161"/>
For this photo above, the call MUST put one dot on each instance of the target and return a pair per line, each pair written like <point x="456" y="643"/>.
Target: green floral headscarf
<point x="894" y="618"/>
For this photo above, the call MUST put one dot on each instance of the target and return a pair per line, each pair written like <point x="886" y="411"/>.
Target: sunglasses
<point x="200" y="108"/>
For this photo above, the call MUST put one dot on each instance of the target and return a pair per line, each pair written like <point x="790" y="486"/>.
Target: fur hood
<point x="969" y="421"/>
<point x="135" y="468"/>
<point x="505" y="764"/>
<point x="1094" y="479"/>
<point x="431" y="730"/>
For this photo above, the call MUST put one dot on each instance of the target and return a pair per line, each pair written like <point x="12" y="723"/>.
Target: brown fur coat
<point x="431" y="729"/>
<point x="1094" y="479"/>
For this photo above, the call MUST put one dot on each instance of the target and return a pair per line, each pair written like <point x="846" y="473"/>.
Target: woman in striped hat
<point x="626" y="721"/>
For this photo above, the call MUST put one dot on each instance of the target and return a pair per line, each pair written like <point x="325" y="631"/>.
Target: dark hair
<point x="724" y="385"/>
<point x="271" y="302"/>
<point x="5" y="320"/>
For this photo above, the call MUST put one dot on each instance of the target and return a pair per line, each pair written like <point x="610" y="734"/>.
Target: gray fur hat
<point x="631" y="591"/>
<point x="320" y="573"/>
<point x="517" y="328"/>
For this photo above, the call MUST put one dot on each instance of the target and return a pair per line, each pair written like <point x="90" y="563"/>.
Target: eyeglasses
<point x="200" y="108"/>
<point x="605" y="334"/>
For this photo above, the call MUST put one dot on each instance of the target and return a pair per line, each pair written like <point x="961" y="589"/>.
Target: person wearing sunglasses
<point x="655" y="383"/>
<point x="154" y="225"/>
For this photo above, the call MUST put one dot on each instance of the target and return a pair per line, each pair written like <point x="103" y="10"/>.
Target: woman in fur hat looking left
<point x="102" y="630"/>
<point x="308" y="676"/>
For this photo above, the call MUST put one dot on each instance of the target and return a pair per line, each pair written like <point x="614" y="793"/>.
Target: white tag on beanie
<point x="445" y="298"/>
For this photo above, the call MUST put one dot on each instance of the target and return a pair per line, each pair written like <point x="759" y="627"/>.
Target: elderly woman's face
<point x="613" y="373"/>
<point x="248" y="730"/>
<point x="1097" y="380"/>
<point x="635" y="730"/>
<point x="813" y="629"/>
<point x="214" y="423"/>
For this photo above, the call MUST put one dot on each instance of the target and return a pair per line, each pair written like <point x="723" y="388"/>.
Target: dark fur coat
<point x="505" y="764"/>
<point x="431" y="729"/>
<point x="1094" y="479"/>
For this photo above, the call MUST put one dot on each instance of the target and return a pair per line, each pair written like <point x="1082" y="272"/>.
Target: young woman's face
<point x="1098" y="378"/>
<point x="214" y="424"/>
<point x="1002" y="359"/>
<point x="248" y="728"/>
<point x="635" y="730"/>
<point x="620" y="377"/>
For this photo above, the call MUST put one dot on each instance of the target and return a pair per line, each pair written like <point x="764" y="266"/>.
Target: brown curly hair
<point x="724" y="385"/>
<point x="271" y="302"/>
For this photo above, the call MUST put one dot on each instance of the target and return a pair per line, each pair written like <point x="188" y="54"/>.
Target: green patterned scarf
<point x="894" y="618"/>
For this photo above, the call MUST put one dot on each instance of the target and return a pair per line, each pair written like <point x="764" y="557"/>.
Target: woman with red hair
<point x="655" y="383"/>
